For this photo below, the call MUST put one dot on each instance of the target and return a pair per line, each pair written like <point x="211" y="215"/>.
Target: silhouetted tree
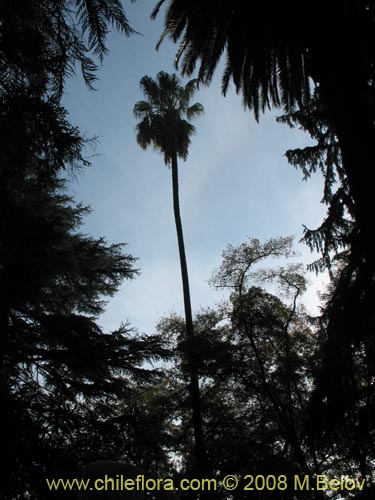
<point x="41" y="42"/>
<point x="53" y="280"/>
<point x="55" y="359"/>
<point x="256" y="354"/>
<point x="276" y="54"/>
<point x="163" y="126"/>
<point x="343" y="400"/>
<point x="333" y="236"/>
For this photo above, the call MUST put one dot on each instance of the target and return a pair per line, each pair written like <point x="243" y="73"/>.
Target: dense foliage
<point x="259" y="355"/>
<point x="69" y="391"/>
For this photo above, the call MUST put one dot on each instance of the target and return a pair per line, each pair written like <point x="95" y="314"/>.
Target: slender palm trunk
<point x="200" y="450"/>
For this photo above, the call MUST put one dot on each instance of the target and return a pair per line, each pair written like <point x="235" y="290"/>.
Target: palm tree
<point x="163" y="126"/>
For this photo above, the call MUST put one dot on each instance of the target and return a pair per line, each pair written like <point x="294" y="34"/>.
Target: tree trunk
<point x="200" y="450"/>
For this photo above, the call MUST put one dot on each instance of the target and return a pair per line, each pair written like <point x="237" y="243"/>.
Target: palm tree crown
<point x="162" y="115"/>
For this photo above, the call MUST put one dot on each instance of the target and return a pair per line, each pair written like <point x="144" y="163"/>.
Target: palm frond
<point x="142" y="108"/>
<point x="264" y="74"/>
<point x="150" y="89"/>
<point x="194" y="111"/>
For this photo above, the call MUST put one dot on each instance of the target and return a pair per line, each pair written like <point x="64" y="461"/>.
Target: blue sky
<point x="235" y="184"/>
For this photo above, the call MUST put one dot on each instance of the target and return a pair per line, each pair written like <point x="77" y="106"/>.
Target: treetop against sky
<point x="235" y="183"/>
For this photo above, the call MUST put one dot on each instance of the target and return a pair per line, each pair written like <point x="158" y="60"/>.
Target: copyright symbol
<point x="230" y="482"/>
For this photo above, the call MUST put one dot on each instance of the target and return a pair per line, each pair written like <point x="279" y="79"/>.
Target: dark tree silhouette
<point x="255" y="355"/>
<point x="163" y="126"/>
<point x="53" y="355"/>
<point x="274" y="51"/>
<point x="344" y="391"/>
<point x="274" y="55"/>
<point x="42" y="42"/>
<point x="258" y="355"/>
